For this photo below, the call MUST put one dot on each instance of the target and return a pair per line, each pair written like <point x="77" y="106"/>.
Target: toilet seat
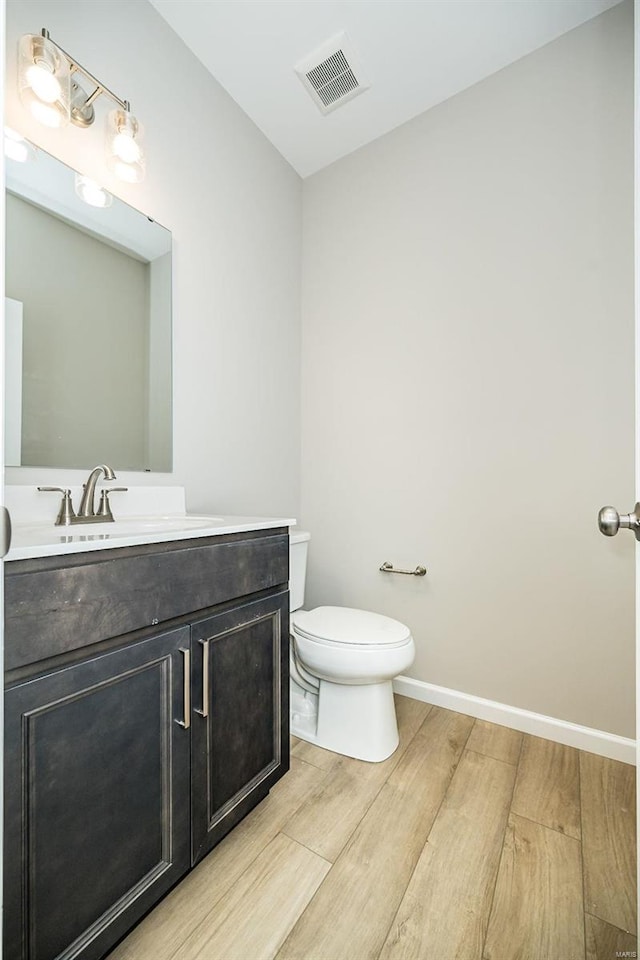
<point x="347" y="626"/>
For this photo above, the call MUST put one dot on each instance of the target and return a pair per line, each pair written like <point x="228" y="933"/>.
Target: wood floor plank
<point x="537" y="908"/>
<point x="317" y="756"/>
<point x="351" y="914"/>
<point x="605" y="942"/>
<point x="164" y="930"/>
<point x="493" y="740"/>
<point x="548" y="785"/>
<point x="326" y="821"/>
<point x="609" y="840"/>
<point x="260" y="893"/>
<point x="445" y="910"/>
<point x="254" y="917"/>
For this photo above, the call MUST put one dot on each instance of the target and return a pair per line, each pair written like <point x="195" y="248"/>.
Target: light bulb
<point x="126" y="148"/>
<point x="92" y="193"/>
<point x="16" y="147"/>
<point x="126" y="172"/>
<point x="43" y="83"/>
<point x="47" y="113"/>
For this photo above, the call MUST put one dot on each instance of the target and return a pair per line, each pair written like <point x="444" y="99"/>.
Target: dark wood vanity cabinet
<point x="97" y="798"/>
<point x="240" y="730"/>
<point x="118" y="776"/>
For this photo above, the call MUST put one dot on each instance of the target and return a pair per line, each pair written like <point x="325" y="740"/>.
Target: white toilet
<point x="342" y="664"/>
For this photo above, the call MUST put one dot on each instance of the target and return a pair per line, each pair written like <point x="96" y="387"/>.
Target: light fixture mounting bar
<point x="100" y="88"/>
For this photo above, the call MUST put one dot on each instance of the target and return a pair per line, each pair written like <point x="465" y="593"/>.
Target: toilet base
<point x="356" y="720"/>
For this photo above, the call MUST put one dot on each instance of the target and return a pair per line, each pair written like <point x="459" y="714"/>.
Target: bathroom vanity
<point x="146" y="714"/>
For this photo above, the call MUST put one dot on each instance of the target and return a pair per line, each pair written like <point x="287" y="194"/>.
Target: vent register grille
<point x="332" y="74"/>
<point x="332" y="79"/>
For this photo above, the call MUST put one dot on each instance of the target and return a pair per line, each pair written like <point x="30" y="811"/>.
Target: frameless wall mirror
<point x="88" y="338"/>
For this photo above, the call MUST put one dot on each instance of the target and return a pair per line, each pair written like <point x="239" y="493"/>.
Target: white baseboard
<point x="571" y="734"/>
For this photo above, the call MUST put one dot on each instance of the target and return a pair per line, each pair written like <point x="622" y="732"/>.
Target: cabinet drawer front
<point x="92" y="752"/>
<point x="240" y="732"/>
<point x="56" y="609"/>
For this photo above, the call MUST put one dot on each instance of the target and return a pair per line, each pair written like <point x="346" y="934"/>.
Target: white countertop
<point x="160" y="517"/>
<point x="47" y="540"/>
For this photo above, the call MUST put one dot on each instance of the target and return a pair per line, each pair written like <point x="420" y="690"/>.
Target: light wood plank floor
<point x="472" y="842"/>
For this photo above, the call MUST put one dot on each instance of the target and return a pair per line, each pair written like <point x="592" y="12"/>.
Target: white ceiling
<point x="416" y="53"/>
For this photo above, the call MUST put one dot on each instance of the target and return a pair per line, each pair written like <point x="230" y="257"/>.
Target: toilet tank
<point x="298" y="546"/>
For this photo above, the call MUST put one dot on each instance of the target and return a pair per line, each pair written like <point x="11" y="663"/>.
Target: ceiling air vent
<point x="332" y="74"/>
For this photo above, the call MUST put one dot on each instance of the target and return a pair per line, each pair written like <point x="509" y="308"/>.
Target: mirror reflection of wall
<point x="12" y="382"/>
<point x="96" y="374"/>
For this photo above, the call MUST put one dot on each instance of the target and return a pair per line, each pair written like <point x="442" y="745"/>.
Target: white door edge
<point x="636" y="129"/>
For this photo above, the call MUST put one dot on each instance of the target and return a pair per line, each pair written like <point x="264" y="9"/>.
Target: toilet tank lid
<point x="298" y="536"/>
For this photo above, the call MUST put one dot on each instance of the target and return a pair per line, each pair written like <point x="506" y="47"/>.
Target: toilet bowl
<point x="342" y="663"/>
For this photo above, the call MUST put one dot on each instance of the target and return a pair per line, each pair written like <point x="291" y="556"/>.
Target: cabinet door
<point x="240" y="732"/>
<point x="96" y="799"/>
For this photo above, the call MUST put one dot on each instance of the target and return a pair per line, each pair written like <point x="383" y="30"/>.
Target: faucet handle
<point x="104" y="507"/>
<point x="66" y="514"/>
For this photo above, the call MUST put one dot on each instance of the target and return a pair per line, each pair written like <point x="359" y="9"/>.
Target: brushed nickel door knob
<point x="610" y="521"/>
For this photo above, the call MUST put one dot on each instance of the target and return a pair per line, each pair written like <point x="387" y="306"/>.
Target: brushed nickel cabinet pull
<point x="205" y="679"/>
<point x="186" y="695"/>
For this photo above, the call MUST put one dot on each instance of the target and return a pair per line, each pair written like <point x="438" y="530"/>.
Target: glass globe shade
<point x="47" y="113"/>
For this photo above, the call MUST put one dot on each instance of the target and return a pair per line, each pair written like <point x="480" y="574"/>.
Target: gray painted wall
<point x="468" y="384"/>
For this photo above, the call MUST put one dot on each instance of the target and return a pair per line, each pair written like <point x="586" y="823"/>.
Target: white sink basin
<point x="131" y="526"/>
<point x="126" y="527"/>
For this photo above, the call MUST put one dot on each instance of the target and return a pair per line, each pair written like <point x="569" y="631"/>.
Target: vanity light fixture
<point x="92" y="193"/>
<point x="49" y="88"/>
<point x="16" y="147"/>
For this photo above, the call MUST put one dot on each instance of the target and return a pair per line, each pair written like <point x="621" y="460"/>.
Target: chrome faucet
<point x="87" y="504"/>
<point x="87" y="512"/>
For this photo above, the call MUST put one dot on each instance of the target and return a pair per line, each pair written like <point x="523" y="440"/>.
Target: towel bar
<point x="419" y="571"/>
